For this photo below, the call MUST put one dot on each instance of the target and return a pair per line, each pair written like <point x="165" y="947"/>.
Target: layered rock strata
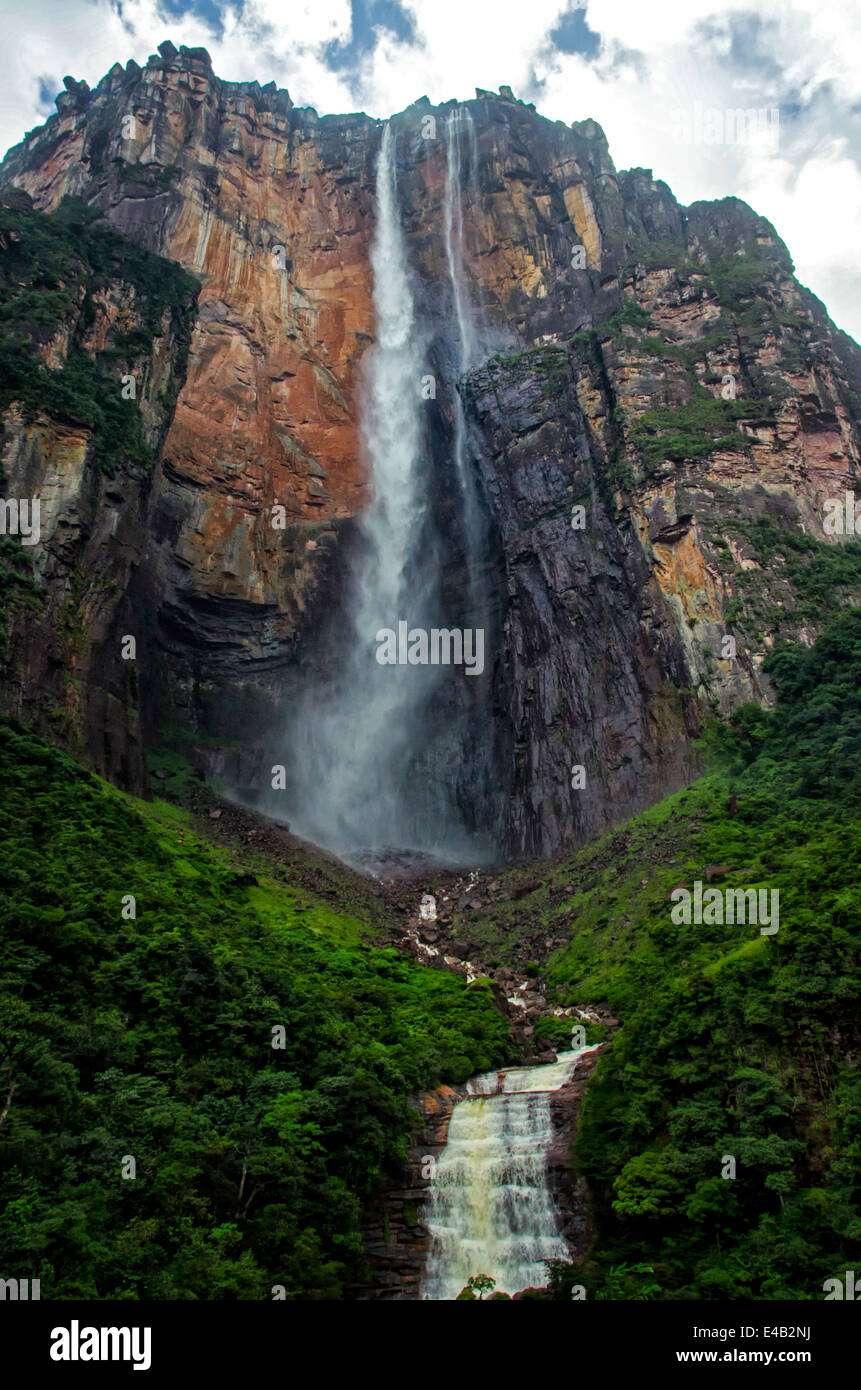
<point x="651" y="380"/>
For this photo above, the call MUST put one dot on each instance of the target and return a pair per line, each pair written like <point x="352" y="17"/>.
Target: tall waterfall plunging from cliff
<point x="491" y="1210"/>
<point x="366" y="775"/>
<point x="460" y="124"/>
<point x="460" y="121"/>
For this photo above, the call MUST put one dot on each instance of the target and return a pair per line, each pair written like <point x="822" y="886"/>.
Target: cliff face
<point x="658" y="367"/>
<point x="272" y="210"/>
<point x="95" y="340"/>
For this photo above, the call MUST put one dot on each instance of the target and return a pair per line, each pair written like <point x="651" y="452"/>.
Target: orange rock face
<point x="221" y="179"/>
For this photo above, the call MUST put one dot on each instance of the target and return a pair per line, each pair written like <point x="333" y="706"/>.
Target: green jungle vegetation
<point x="796" y="578"/>
<point x="731" y="1043"/>
<point x="152" y="1037"/>
<point x="735" y="1043"/>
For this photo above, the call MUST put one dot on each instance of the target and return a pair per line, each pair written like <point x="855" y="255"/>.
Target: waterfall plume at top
<point x="365" y="775"/>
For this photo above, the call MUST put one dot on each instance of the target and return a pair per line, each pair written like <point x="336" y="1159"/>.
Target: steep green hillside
<point x="732" y="1043"/>
<point x="151" y="1037"/>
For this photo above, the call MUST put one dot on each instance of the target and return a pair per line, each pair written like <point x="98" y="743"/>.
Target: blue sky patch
<point x="208" y="10"/>
<point x="573" y="35"/>
<point x="365" y="17"/>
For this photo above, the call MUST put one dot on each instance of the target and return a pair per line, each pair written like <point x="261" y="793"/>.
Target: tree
<point x="478" y="1284"/>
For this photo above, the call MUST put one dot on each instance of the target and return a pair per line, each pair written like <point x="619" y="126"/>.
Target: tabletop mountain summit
<point x="637" y="393"/>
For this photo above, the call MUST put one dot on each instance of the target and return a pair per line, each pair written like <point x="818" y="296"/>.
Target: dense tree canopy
<point x="151" y="1038"/>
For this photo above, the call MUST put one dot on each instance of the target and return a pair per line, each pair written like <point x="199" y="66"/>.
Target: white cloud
<point x="808" y="187"/>
<point x="656" y="57"/>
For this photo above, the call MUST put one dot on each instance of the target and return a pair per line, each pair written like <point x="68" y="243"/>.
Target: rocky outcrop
<point x="273" y="214"/>
<point x="98" y="339"/>
<point x="395" y="1233"/>
<point x="654" y="375"/>
<point x="570" y="1190"/>
<point x="593" y="669"/>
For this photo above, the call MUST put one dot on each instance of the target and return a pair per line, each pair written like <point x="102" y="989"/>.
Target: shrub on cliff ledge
<point x="694" y="430"/>
<point x="53" y="269"/>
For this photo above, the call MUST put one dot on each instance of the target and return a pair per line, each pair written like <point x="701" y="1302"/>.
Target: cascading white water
<point x="353" y="739"/>
<point x="491" y="1210"/>
<point x="366" y="778"/>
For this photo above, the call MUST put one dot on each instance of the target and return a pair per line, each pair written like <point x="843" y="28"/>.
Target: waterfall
<point x="460" y="120"/>
<point x="366" y="776"/>
<point x="491" y="1210"/>
<point x="461" y="123"/>
<point x="352" y="738"/>
<point x="388" y="762"/>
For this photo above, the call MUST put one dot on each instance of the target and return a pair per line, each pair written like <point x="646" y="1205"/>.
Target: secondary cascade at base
<point x="491" y="1210"/>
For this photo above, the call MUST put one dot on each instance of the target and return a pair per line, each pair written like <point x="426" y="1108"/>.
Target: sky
<point x="658" y="75"/>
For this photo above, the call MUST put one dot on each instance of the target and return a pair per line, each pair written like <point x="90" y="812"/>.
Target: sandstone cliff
<point x="95" y="340"/>
<point x="658" y="367"/>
